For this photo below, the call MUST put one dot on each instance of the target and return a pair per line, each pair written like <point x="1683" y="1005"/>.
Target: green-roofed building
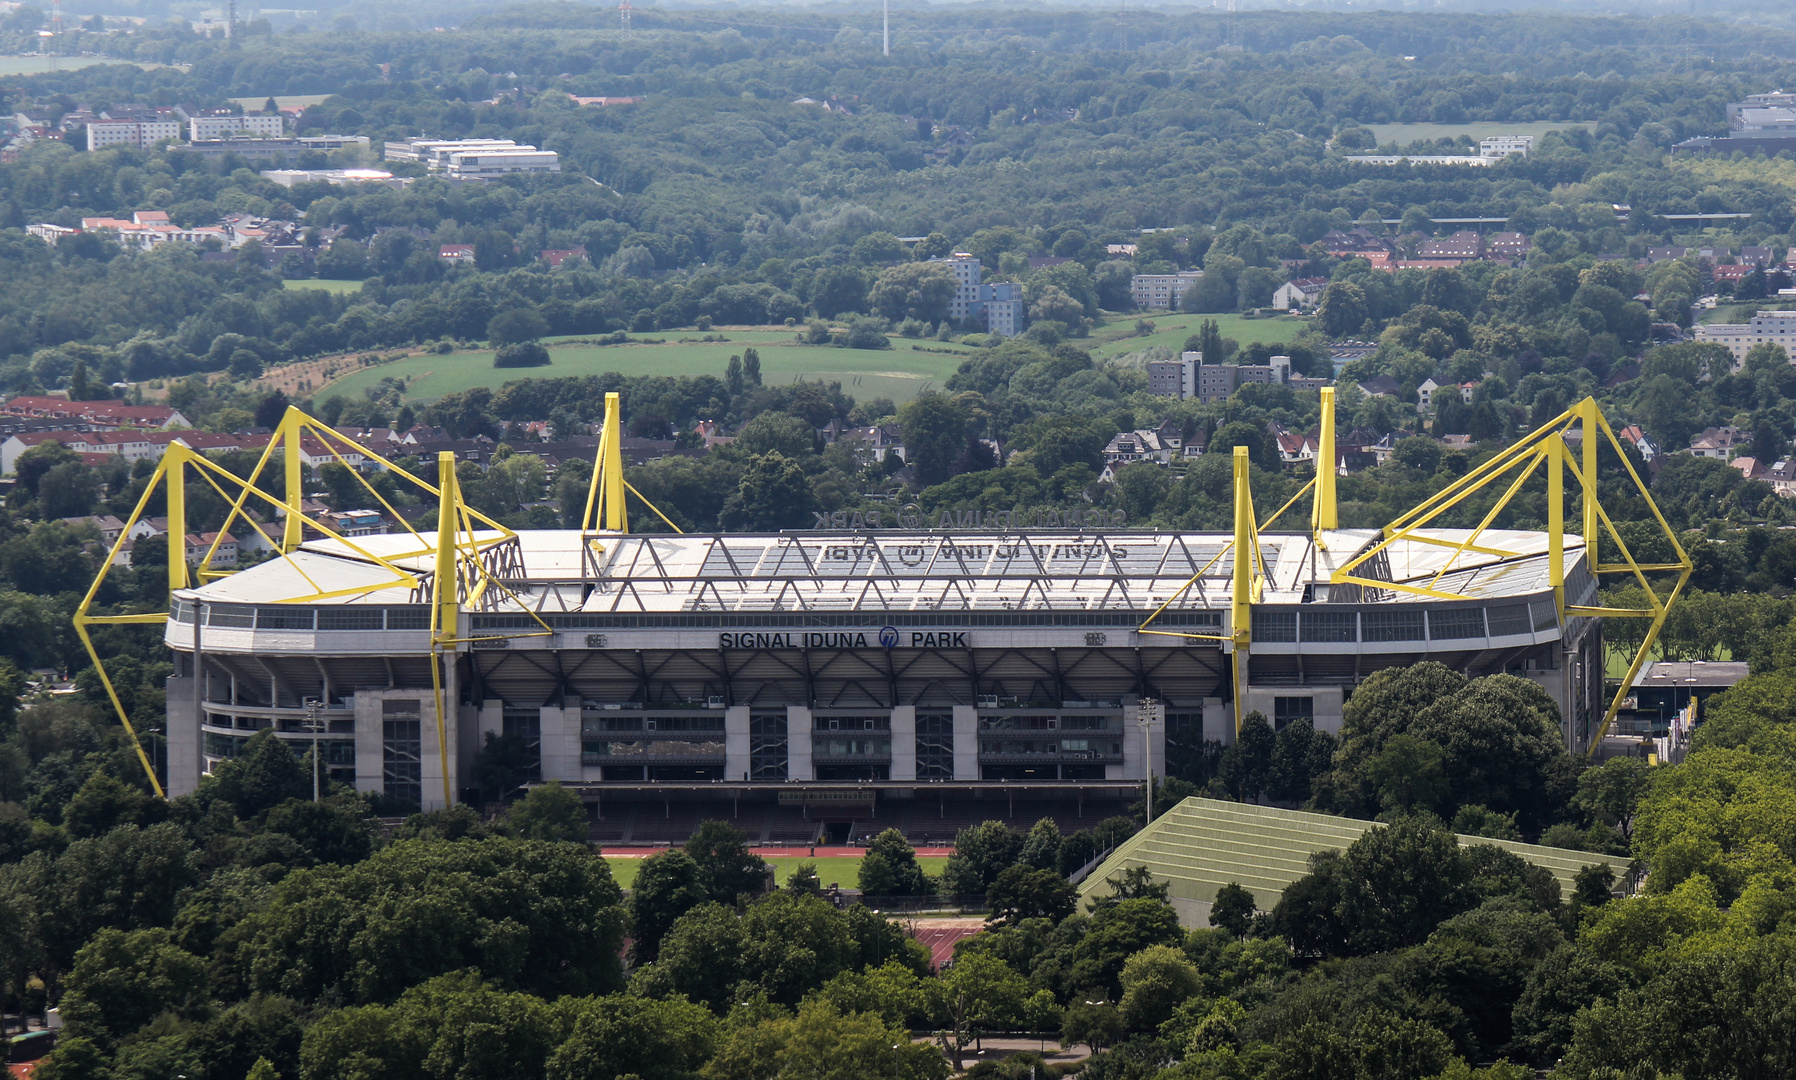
<point x="1201" y="845"/>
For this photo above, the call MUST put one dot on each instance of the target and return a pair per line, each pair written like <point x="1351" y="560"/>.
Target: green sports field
<point x="898" y="373"/>
<point x="843" y="870"/>
<point x="1172" y="328"/>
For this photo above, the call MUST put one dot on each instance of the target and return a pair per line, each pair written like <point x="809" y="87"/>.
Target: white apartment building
<point x="468" y="164"/>
<point x="202" y="128"/>
<point x="1500" y="146"/>
<point x="140" y="134"/>
<point x="1772" y="327"/>
<point x="967" y="272"/>
<point x="1162" y="292"/>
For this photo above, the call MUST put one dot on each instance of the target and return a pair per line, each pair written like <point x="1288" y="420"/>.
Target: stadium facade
<point x="853" y="674"/>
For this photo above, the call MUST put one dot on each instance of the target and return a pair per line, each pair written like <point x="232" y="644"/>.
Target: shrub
<point x="523" y="354"/>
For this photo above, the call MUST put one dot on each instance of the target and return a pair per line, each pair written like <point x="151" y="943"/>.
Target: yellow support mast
<point x="1247" y="545"/>
<point x="446" y="610"/>
<point x="1323" y="516"/>
<point x="288" y="434"/>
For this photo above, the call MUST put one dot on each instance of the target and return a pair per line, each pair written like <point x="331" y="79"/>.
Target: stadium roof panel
<point x="565" y="570"/>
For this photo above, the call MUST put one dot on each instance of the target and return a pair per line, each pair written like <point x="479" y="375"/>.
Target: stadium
<point x="817" y="685"/>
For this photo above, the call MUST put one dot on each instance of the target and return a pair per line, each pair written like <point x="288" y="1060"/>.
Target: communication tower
<point x="886" y="21"/>
<point x="623" y="16"/>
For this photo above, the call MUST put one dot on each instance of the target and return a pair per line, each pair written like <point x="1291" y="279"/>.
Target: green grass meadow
<point x="843" y="870"/>
<point x="327" y="284"/>
<point x="899" y="373"/>
<point x="33" y="64"/>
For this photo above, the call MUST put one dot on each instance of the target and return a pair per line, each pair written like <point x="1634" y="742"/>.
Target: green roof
<point x="1201" y="845"/>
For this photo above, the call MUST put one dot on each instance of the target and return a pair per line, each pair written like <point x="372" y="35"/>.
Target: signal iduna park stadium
<point x="816" y="683"/>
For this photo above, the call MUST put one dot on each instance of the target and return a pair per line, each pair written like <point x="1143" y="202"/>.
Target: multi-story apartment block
<point x="998" y="306"/>
<point x="228" y="126"/>
<point x="1162" y="292"/>
<point x="139" y="134"/>
<point x="1767" y="327"/>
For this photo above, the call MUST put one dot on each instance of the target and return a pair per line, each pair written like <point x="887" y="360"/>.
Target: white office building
<point x="470" y="164"/>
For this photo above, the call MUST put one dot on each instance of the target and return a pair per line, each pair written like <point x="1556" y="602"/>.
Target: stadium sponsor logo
<point x="842" y="639"/>
<point x="911" y="516"/>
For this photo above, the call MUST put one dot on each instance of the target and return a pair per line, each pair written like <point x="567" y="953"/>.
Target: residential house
<point x="1507" y="245"/>
<point x="1300" y="294"/>
<point x="113" y="413"/>
<point x="1464" y="245"/>
<point x="877" y="442"/>
<point x="1767" y="327"/>
<point x="1720" y="443"/>
<point x="1380" y="386"/>
<point x="712" y="432"/>
<point x="1757" y="255"/>
<point x="1636" y="437"/>
<point x="1732" y="274"/>
<point x="459" y="254"/>
<point x="555" y="257"/>
<point x="1128" y="447"/>
<point x="1665" y="254"/>
<point x="1425" y="394"/>
<point x="1749" y="467"/>
<point x="1782" y="478"/>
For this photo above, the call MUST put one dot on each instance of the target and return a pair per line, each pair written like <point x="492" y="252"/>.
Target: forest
<point x="246" y="931"/>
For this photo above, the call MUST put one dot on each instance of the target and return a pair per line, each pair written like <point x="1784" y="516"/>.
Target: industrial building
<point x="871" y="671"/>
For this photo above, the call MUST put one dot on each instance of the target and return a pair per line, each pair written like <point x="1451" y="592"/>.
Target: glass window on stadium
<point x="1275" y="626"/>
<point x="402" y="749"/>
<point x="1392" y="625"/>
<point x="527" y="725"/>
<point x="767" y="744"/>
<point x="1451" y="623"/>
<point x="935" y="745"/>
<point x="1287" y="709"/>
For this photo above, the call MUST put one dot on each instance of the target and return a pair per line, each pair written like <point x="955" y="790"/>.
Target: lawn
<point x="36" y="65"/>
<point x="898" y="373"/>
<point x="1172" y="328"/>
<point x="281" y="101"/>
<point x="1404" y="134"/>
<point x="843" y="870"/>
<point x="327" y="284"/>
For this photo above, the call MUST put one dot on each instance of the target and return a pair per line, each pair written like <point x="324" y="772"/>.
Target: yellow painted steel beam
<point x="1246" y="545"/>
<point x="446" y="621"/>
<point x="1323" y="513"/>
<point x="292" y="421"/>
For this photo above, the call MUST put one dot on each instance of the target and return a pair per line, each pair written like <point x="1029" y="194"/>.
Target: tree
<point x="935" y="434"/>
<point x="29" y="468"/>
<point x="751" y="366"/>
<point x="667" y="886"/>
<point x="264" y="774"/>
<point x="732" y="375"/>
<point x="1096" y="1024"/>
<point x="1116" y="932"/>
<point x="326" y="832"/>
<point x="824" y="1043"/>
<point x="980" y="993"/>
<point x="531" y="916"/>
<point x="1023" y="892"/>
<point x="629" y="1035"/>
<point x="521" y="355"/>
<point x="124" y="979"/>
<point x="1246" y="766"/>
<point x="549" y="812"/>
<point x="1041" y="846"/>
<point x="773" y="494"/>
<point x="981" y="853"/>
<point x="1155" y="981"/>
<point x="726" y="867"/>
<point x="1233" y="909"/>
<point x="1397" y="883"/>
<point x="1612" y="791"/>
<point x="913" y="291"/>
<point x="1342" y="309"/>
<point x="890" y="868"/>
<point x="1407" y="774"/>
<point x="67" y="490"/>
